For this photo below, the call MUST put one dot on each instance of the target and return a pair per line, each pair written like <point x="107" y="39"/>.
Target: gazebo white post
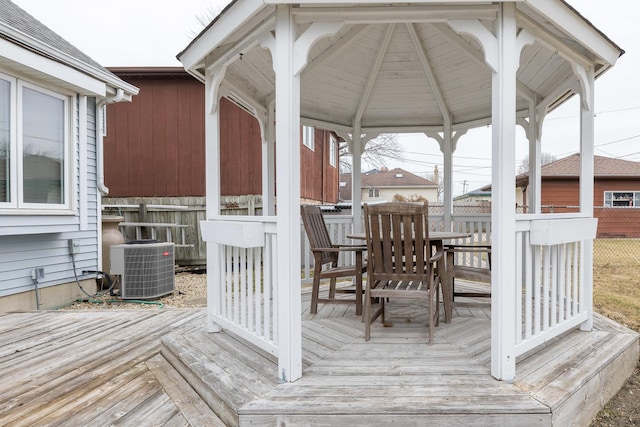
<point x="587" y="99"/>
<point x="268" y="164"/>
<point x="212" y="176"/>
<point x="289" y="322"/>
<point x="502" y="54"/>
<point x="447" y="151"/>
<point x="535" y="178"/>
<point x="447" y="144"/>
<point x="503" y="214"/>
<point x="356" y="179"/>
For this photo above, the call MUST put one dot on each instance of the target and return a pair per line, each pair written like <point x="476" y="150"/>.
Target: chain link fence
<point x="617" y="259"/>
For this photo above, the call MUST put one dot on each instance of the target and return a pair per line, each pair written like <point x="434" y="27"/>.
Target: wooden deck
<point x="111" y="368"/>
<point x="95" y="368"/>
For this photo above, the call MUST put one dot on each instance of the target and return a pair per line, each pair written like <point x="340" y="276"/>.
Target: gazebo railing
<point x="551" y="287"/>
<point x="245" y="299"/>
<point x="552" y="292"/>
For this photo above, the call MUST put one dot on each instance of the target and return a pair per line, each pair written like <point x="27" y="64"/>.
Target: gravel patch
<point x="190" y="292"/>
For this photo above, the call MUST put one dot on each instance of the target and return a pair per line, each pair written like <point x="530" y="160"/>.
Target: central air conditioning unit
<point x="147" y="270"/>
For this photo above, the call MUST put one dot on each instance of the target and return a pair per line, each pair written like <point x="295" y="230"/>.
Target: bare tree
<point x="411" y="198"/>
<point x="205" y="17"/>
<point x="376" y="152"/>
<point x="545" y="158"/>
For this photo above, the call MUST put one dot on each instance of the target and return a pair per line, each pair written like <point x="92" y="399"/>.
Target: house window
<point x="622" y="199"/>
<point x="308" y="137"/>
<point x="5" y="141"/>
<point x="374" y="192"/>
<point x="333" y="151"/>
<point x="34" y="152"/>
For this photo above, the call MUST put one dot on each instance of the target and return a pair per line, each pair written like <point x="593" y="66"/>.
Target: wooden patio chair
<point x="401" y="263"/>
<point x="471" y="273"/>
<point x="325" y="255"/>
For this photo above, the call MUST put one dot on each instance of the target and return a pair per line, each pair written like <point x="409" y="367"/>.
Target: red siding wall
<point x="155" y="145"/>
<point x="612" y="222"/>
<point x="318" y="180"/>
<point x="240" y="151"/>
<point x="560" y="193"/>
<point x="618" y="222"/>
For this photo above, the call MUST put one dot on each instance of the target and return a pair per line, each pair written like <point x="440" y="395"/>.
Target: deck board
<point x="87" y="367"/>
<point x="193" y="410"/>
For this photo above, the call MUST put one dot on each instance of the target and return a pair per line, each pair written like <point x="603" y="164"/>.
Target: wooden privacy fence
<point x="175" y="219"/>
<point x="178" y="219"/>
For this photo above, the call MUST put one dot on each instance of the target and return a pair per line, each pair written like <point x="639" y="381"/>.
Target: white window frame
<point x="16" y="204"/>
<point x="609" y="201"/>
<point x="333" y="151"/>
<point x="13" y="158"/>
<point x="308" y="137"/>
<point x="374" y="193"/>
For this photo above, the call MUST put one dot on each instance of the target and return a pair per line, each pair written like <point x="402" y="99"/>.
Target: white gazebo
<point x="366" y="68"/>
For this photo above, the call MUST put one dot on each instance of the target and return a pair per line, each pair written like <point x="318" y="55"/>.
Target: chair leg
<point x="332" y="288"/>
<point x="431" y="310"/>
<point x="431" y="320"/>
<point x="367" y="314"/>
<point x="438" y="284"/>
<point x="359" y="294"/>
<point x="315" y="290"/>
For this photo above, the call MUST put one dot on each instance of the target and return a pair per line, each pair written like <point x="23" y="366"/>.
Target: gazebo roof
<point x="401" y="66"/>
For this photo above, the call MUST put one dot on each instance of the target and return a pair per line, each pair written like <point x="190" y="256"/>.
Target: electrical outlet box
<point x="37" y="273"/>
<point x="74" y="246"/>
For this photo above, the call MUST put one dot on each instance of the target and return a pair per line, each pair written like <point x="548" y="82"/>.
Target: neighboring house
<point x="479" y="196"/>
<point x="616" y="193"/>
<point x="476" y="201"/>
<point x="51" y="100"/>
<point x="384" y="185"/>
<point x="155" y="145"/>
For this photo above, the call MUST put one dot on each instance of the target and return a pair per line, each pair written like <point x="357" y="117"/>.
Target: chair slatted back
<point x="392" y="256"/>
<point x="317" y="232"/>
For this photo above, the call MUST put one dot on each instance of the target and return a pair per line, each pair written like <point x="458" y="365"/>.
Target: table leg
<point x="447" y="285"/>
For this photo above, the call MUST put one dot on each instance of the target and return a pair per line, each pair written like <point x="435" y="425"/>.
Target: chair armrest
<point x="467" y="248"/>
<point x="341" y="249"/>
<point x="436" y="257"/>
<point x="352" y="247"/>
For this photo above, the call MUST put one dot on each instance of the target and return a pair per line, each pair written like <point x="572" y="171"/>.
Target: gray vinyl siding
<point x="92" y="161"/>
<point x="29" y="242"/>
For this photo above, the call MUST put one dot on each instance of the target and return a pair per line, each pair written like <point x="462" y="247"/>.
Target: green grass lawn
<point x="616" y="280"/>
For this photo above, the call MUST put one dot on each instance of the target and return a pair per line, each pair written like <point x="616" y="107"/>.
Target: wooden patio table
<point x="445" y="264"/>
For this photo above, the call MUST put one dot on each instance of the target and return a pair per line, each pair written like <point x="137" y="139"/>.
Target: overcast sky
<point x="153" y="32"/>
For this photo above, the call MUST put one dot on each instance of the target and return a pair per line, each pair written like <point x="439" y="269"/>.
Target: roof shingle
<point x="14" y="17"/>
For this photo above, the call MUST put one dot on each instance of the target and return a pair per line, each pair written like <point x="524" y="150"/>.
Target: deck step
<point x="195" y="411"/>
<point x="225" y="373"/>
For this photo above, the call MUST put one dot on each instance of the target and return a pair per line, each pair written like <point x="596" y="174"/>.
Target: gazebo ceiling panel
<point x="547" y="74"/>
<point x="564" y="73"/>
<point x="408" y="73"/>
<point x="255" y="71"/>
<point x="401" y="93"/>
<point x="530" y="61"/>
